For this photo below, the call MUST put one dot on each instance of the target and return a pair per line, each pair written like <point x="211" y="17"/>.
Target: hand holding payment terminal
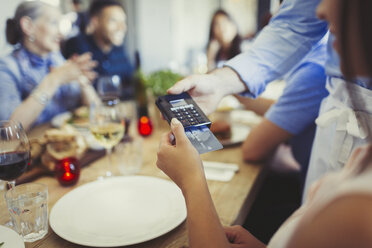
<point x="195" y="122"/>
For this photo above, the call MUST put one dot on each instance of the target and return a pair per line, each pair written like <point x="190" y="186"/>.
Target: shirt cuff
<point x="252" y="75"/>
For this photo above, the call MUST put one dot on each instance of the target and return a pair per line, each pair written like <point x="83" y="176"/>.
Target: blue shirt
<point x="112" y="63"/>
<point x="282" y="44"/>
<point x="21" y="72"/>
<point x="299" y="104"/>
<point x="298" y="107"/>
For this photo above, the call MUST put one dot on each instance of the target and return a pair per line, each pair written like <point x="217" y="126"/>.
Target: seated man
<point x="108" y="23"/>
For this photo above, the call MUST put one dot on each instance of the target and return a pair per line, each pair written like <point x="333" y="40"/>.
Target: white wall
<point x="174" y="33"/>
<point x="244" y="13"/>
<point x="190" y="32"/>
<point x="154" y="33"/>
<point x="7" y="9"/>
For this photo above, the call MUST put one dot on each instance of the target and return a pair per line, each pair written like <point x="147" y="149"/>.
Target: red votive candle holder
<point x="67" y="171"/>
<point x="144" y="126"/>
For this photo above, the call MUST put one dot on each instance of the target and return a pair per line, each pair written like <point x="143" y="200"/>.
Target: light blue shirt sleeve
<point x="10" y="96"/>
<point x="281" y="45"/>
<point x="299" y="104"/>
<point x="15" y="87"/>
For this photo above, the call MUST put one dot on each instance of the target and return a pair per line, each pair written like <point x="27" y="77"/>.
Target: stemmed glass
<point x="107" y="126"/>
<point x="109" y="89"/>
<point x="14" y="151"/>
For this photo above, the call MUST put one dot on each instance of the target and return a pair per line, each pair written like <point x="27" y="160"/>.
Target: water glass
<point x="28" y="208"/>
<point x="128" y="109"/>
<point x="129" y="156"/>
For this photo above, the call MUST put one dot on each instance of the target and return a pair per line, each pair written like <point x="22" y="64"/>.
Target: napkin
<point x="218" y="171"/>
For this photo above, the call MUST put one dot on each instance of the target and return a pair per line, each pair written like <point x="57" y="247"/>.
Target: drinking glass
<point x="109" y="89"/>
<point x="14" y="151"/>
<point x="128" y="110"/>
<point x="28" y="208"/>
<point x="129" y="155"/>
<point x="107" y="126"/>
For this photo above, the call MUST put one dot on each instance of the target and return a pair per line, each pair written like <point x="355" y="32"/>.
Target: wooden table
<point x="229" y="197"/>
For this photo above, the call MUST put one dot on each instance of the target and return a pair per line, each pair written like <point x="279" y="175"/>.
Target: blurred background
<point x="169" y="34"/>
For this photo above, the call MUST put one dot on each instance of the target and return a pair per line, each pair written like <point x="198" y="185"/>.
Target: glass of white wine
<point x="107" y="126"/>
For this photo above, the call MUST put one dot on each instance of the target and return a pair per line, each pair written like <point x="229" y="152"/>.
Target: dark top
<point x="114" y="62"/>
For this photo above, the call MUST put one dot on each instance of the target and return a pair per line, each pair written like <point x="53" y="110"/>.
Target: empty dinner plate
<point x="10" y="239"/>
<point x="118" y="211"/>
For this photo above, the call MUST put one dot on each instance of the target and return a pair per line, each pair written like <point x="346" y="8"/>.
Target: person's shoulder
<point x="9" y="62"/>
<point x="77" y="44"/>
<point x="78" y="38"/>
<point x="356" y="208"/>
<point x="346" y="221"/>
<point x="9" y="57"/>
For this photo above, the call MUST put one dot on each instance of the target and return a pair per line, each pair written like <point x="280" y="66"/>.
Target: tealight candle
<point x="67" y="171"/>
<point x="144" y="126"/>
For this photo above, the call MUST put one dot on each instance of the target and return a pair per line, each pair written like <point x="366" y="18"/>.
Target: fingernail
<point x="175" y="121"/>
<point x="172" y="88"/>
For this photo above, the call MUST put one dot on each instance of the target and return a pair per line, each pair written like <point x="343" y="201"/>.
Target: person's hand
<point x="202" y="88"/>
<point x="181" y="162"/>
<point x="240" y="237"/>
<point x="75" y="68"/>
<point x="208" y="90"/>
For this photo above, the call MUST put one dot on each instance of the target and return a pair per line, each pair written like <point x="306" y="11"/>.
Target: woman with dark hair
<point x="35" y="78"/>
<point x="337" y="211"/>
<point x="224" y="40"/>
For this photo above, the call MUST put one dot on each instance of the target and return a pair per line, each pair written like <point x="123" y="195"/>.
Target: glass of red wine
<point x="14" y="151"/>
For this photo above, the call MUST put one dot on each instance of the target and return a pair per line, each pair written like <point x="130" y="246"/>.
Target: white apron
<point x="341" y="127"/>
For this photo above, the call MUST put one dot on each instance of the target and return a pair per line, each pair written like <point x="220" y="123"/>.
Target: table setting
<point x="81" y="196"/>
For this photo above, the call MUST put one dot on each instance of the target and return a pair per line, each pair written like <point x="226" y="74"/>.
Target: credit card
<point x="203" y="139"/>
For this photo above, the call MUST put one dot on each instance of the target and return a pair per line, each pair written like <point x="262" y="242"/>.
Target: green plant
<point x="159" y="81"/>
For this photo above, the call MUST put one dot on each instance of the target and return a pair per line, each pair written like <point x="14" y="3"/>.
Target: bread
<point x="221" y="129"/>
<point x="61" y="150"/>
<point x="59" y="135"/>
<point x="36" y="149"/>
<point x="62" y="143"/>
<point x="57" y="144"/>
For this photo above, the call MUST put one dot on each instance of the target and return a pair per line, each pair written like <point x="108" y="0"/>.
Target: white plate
<point x="118" y="211"/>
<point x="10" y="238"/>
<point x="238" y="134"/>
<point x="60" y="119"/>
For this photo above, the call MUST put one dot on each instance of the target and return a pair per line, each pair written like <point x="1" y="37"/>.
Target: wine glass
<point x="14" y="151"/>
<point x="109" y="89"/>
<point x="107" y="126"/>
